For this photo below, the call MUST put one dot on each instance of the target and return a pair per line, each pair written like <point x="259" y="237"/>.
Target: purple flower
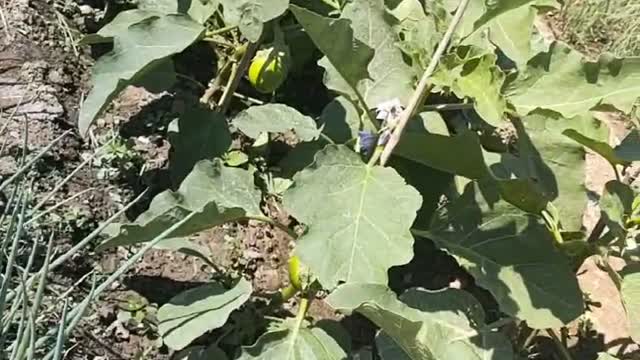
<point x="367" y="141"/>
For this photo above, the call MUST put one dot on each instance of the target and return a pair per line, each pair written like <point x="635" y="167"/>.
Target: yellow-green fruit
<point x="297" y="273"/>
<point x="268" y="70"/>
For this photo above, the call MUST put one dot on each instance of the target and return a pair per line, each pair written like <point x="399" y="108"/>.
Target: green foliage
<point x="196" y="311"/>
<point x="141" y="44"/>
<point x="507" y="208"/>
<point x="353" y="238"/>
<point x="423" y="324"/>
<point x="295" y="340"/>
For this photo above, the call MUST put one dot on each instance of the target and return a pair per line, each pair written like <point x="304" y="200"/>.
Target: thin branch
<point x="421" y="92"/>
<point x="234" y="80"/>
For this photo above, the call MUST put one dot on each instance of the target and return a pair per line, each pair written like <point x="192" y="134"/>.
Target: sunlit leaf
<point x="561" y="80"/>
<point x="423" y="324"/>
<point x="198" y="10"/>
<point x="145" y="45"/>
<point x="295" y="341"/>
<point x="352" y="237"/>
<point x="250" y="15"/>
<point x="275" y="118"/>
<point x="346" y="56"/>
<point x="195" y="311"/>
<point x="511" y="254"/>
<point x="218" y="194"/>
<point x="390" y="77"/>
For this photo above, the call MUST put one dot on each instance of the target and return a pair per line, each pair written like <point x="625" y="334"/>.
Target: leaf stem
<point x="423" y="88"/>
<point x="222" y="30"/>
<point x="563" y="350"/>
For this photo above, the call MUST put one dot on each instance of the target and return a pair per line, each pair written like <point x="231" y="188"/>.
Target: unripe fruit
<point x="298" y="274"/>
<point x="268" y="70"/>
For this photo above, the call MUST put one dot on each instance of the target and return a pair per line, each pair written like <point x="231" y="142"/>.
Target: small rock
<point x="85" y="9"/>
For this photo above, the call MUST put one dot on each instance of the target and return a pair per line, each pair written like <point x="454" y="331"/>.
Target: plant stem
<point x="221" y="30"/>
<point x="288" y="292"/>
<point x="214" y="85"/>
<point x="563" y="350"/>
<point x="421" y="92"/>
<point x="447" y="107"/>
<point x="236" y="75"/>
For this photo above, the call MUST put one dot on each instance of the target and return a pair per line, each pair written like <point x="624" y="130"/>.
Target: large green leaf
<point x="352" y="237"/>
<point x="601" y="147"/>
<point x="426" y="325"/>
<point x="561" y="80"/>
<point x="512" y="32"/>
<point x="630" y="293"/>
<point x="198" y="134"/>
<point x="444" y="153"/>
<point x="118" y="26"/>
<point x="295" y="341"/>
<point x="346" y="54"/>
<point x="552" y="161"/>
<point x="276" y="118"/>
<point x="217" y="193"/>
<point x="144" y="45"/>
<point x="339" y="122"/>
<point x="198" y="10"/>
<point x="193" y="312"/>
<point x="250" y="15"/>
<point x="390" y="76"/>
<point x="629" y="148"/>
<point x="511" y="254"/>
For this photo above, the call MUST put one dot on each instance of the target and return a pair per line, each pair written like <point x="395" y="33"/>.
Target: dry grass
<point x="597" y="26"/>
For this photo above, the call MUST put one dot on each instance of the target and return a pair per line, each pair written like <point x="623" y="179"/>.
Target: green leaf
<point x="481" y="80"/>
<point x="217" y="193"/>
<point x="346" y="54"/>
<point x="339" y="122"/>
<point x="144" y="45"/>
<point x="630" y="293"/>
<point x="250" y="15"/>
<point x="118" y="27"/>
<point x="555" y="163"/>
<point x="295" y="341"/>
<point x="198" y="10"/>
<point x="275" y="118"/>
<point x="419" y="31"/>
<point x="425" y="325"/>
<point x="352" y="237"/>
<point x="201" y="353"/>
<point x="629" y="148"/>
<point x="196" y="311"/>
<point x="511" y="254"/>
<point x="512" y="32"/>
<point x="390" y="76"/>
<point x="601" y="148"/>
<point x="198" y="134"/>
<point x="561" y="80"/>
<point x="158" y="79"/>
<point x="443" y="153"/>
<point x="616" y="205"/>
<point x="605" y="356"/>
